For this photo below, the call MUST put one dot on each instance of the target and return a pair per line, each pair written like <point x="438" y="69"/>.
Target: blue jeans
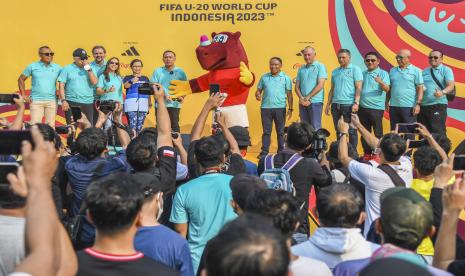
<point x="311" y="114"/>
<point x="136" y="120"/>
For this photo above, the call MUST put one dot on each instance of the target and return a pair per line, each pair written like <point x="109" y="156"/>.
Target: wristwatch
<point x="356" y="103"/>
<point x="343" y="134"/>
<point x="290" y="109"/>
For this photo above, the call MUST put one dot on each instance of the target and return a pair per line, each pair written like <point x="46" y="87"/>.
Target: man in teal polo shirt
<point x="98" y="67"/>
<point x="164" y="75"/>
<point x="433" y="113"/>
<point x="77" y="82"/>
<point x="273" y="89"/>
<point x="344" y="96"/>
<point x="373" y="98"/>
<point x="309" y="87"/>
<point x="406" y="90"/>
<point x="44" y="74"/>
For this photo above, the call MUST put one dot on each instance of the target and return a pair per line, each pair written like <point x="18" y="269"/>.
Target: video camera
<point x="320" y="145"/>
<point x="106" y="106"/>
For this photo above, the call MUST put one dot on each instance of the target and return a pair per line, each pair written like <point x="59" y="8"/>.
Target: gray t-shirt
<point x="12" y="240"/>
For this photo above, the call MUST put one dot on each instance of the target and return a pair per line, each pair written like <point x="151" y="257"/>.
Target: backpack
<point x="279" y="178"/>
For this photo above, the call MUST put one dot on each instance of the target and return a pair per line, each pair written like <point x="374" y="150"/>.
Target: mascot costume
<point x="225" y="60"/>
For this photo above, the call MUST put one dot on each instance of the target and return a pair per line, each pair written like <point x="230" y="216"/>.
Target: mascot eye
<point x="222" y="38"/>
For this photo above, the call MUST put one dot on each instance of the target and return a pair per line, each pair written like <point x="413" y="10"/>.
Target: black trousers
<point x="278" y="116"/>
<point x="372" y="120"/>
<point x="174" y="118"/>
<point x="87" y="109"/>
<point x="338" y="110"/>
<point x="433" y="117"/>
<point x="399" y="115"/>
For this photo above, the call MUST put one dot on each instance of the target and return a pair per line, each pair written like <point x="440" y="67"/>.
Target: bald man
<point x="309" y="88"/>
<point x="406" y="90"/>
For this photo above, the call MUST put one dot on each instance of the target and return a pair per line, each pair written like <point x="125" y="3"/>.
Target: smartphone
<point x="459" y="162"/>
<point x="214" y="88"/>
<point x="5" y="169"/>
<point x="76" y="110"/>
<point x="8" y="98"/>
<point x="11" y="140"/>
<point x="413" y="144"/>
<point x="407" y="128"/>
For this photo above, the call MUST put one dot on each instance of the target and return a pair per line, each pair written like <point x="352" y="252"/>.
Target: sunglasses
<point x="433" y="57"/>
<point x="400" y="57"/>
<point x="48" y="54"/>
<point x="370" y="60"/>
<point x="114" y="62"/>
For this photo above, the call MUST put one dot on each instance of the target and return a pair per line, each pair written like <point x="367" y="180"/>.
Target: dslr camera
<point x="320" y="145"/>
<point x="62" y="129"/>
<point x="106" y="106"/>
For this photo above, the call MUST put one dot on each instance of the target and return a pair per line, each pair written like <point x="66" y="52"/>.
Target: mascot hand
<point x="179" y="88"/>
<point x="246" y="76"/>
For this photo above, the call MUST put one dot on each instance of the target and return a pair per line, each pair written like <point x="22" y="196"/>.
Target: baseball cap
<point x="241" y="134"/>
<point x="80" y="53"/>
<point x="242" y="185"/>
<point x="405" y="214"/>
<point x="147" y="182"/>
<point x="393" y="266"/>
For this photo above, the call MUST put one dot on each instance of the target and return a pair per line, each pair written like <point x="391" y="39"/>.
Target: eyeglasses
<point x="400" y="57"/>
<point x="113" y="62"/>
<point x="370" y="60"/>
<point x="48" y="54"/>
<point x="433" y="57"/>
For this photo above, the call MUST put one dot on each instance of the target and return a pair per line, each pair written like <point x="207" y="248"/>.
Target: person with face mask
<point x="151" y="237"/>
<point x="77" y="81"/>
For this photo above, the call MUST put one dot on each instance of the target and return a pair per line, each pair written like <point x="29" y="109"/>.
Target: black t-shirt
<point x="91" y="262"/>
<point x="234" y="162"/>
<point x="306" y="172"/>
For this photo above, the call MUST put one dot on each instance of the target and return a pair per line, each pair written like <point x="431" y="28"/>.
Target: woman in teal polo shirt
<point x="110" y="83"/>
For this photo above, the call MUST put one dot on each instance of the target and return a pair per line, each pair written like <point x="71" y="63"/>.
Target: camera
<point x="62" y="129"/>
<point x="106" y="106"/>
<point x="174" y="135"/>
<point x="320" y="145"/>
<point x="145" y="89"/>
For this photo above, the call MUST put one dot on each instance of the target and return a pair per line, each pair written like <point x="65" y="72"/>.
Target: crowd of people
<point x="119" y="200"/>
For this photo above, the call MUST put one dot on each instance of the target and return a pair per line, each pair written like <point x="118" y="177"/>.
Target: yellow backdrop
<point x="269" y="28"/>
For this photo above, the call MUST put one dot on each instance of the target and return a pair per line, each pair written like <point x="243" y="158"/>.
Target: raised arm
<point x="123" y="135"/>
<point x="369" y="137"/>
<point x="19" y="119"/>
<point x="163" y="119"/>
<point x="213" y="102"/>
<point x="343" y="153"/>
<point x="234" y="147"/>
<point x="429" y="138"/>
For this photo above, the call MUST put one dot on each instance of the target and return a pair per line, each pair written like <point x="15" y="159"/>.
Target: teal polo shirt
<point x="308" y="77"/>
<point x="373" y="95"/>
<point x="115" y="81"/>
<point x="97" y="70"/>
<point x="77" y="84"/>
<point x="444" y="75"/>
<point x="343" y="82"/>
<point x="43" y="81"/>
<point x="404" y="84"/>
<point x="274" y="90"/>
<point x="203" y="203"/>
<point x="164" y="77"/>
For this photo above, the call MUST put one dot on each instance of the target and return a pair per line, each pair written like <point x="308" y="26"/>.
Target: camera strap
<point x="393" y="175"/>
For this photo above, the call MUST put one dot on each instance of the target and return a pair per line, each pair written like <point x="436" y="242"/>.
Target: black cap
<point x="80" y="53"/>
<point x="241" y="134"/>
<point x="147" y="182"/>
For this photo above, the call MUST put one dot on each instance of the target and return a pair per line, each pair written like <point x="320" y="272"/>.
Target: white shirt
<point x="304" y="266"/>
<point x="376" y="181"/>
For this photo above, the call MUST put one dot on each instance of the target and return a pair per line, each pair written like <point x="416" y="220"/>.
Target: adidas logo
<point x="131" y="52"/>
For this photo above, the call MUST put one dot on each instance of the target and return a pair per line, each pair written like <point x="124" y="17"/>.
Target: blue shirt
<point x="308" y="77"/>
<point x="98" y="70"/>
<point x="203" y="203"/>
<point x="77" y="84"/>
<point x="81" y="171"/>
<point x="343" y="81"/>
<point x="114" y="80"/>
<point x="444" y="75"/>
<point x="134" y="101"/>
<point x="164" y="245"/>
<point x="251" y="167"/>
<point x="404" y="84"/>
<point x="44" y="80"/>
<point x="372" y="95"/>
<point x="275" y="90"/>
<point x="164" y="77"/>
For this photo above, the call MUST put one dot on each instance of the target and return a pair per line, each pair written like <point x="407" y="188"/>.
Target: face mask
<point x="160" y="205"/>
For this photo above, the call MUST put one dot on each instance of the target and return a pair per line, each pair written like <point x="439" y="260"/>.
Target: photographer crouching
<point x="308" y="171"/>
